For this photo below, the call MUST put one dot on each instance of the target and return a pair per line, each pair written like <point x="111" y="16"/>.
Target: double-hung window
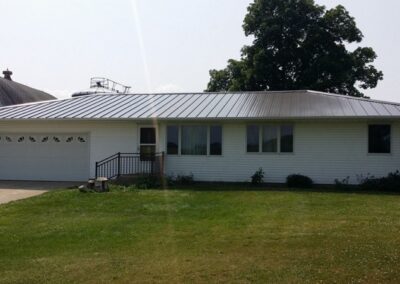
<point x="197" y="140"/>
<point x="270" y="138"/>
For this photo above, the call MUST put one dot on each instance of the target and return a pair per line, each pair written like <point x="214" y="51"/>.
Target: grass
<point x="197" y="236"/>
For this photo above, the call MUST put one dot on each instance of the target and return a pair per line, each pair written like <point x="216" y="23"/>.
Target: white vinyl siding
<point x="324" y="151"/>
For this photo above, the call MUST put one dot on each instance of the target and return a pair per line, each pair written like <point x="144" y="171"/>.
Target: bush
<point x="172" y="180"/>
<point x="342" y="184"/>
<point x="299" y="181"/>
<point x="147" y="182"/>
<point x="258" y="177"/>
<point x="184" y="179"/>
<point x="389" y="183"/>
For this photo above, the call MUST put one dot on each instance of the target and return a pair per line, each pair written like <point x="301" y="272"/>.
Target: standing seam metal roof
<point x="246" y="105"/>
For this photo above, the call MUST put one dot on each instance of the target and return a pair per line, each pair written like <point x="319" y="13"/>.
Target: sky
<point x="156" y="45"/>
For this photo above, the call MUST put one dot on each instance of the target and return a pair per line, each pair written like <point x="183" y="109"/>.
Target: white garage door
<point x="47" y="157"/>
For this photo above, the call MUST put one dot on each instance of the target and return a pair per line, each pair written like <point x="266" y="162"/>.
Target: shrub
<point x="258" y="177"/>
<point x="184" y="179"/>
<point x="299" y="181"/>
<point x="389" y="183"/>
<point x="342" y="184"/>
<point x="147" y="182"/>
<point x="172" y="180"/>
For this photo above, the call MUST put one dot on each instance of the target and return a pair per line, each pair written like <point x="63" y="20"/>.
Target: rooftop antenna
<point x="100" y="82"/>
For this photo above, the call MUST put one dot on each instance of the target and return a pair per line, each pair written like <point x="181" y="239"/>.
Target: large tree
<point x="299" y="45"/>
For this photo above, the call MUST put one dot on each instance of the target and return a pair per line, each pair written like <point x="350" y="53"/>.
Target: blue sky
<point x="156" y="45"/>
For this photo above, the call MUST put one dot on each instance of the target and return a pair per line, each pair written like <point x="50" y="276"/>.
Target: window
<point x="172" y="140"/>
<point x="287" y="139"/>
<point x="272" y="138"/>
<point x="253" y="139"/>
<point x="215" y="140"/>
<point x="194" y="140"/>
<point x="379" y="139"/>
<point x="147" y="135"/>
<point x="147" y="143"/>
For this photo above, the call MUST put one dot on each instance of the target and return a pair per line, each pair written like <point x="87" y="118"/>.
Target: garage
<point x="44" y="157"/>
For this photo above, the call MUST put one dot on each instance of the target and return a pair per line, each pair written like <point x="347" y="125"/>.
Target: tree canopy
<point x="299" y="45"/>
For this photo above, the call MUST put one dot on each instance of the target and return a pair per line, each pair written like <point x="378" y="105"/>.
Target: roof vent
<point x="7" y="74"/>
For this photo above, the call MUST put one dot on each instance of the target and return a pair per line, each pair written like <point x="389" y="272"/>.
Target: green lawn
<point x="201" y="236"/>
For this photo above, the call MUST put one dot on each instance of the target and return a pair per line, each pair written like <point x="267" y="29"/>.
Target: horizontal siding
<point x="323" y="151"/>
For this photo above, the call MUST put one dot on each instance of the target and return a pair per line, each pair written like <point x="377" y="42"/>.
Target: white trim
<point x="260" y="138"/>
<point x="147" y="144"/>
<point x="208" y="125"/>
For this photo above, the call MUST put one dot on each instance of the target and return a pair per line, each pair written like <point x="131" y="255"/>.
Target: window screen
<point x="270" y="139"/>
<point x="253" y="139"/>
<point x="172" y="140"/>
<point x="286" y="139"/>
<point x="215" y="140"/>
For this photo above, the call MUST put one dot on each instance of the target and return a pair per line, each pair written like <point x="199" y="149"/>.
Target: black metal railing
<point x="130" y="164"/>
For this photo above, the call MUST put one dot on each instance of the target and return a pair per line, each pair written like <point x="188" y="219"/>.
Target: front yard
<point x="201" y="236"/>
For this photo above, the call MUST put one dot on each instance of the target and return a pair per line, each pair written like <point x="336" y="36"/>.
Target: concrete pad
<point x="15" y="190"/>
<point x="7" y="195"/>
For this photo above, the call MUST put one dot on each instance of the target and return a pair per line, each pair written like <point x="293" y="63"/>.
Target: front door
<point x="147" y="143"/>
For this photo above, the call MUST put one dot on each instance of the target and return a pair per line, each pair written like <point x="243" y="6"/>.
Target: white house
<point x="215" y="136"/>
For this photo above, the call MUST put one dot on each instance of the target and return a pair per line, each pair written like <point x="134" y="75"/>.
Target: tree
<point x="299" y="45"/>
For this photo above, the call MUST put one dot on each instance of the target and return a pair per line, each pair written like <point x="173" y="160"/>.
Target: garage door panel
<point x="44" y="157"/>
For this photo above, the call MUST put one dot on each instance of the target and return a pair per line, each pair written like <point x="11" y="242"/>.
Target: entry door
<point x="147" y="143"/>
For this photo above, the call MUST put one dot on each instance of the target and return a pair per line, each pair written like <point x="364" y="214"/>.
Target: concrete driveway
<point x="15" y="190"/>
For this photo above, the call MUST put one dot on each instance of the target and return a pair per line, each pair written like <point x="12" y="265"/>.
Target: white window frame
<point x="260" y="138"/>
<point x="146" y="144"/>
<point x="208" y="125"/>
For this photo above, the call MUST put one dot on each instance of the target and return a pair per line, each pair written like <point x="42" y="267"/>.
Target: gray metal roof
<point x="12" y="93"/>
<point x="247" y="105"/>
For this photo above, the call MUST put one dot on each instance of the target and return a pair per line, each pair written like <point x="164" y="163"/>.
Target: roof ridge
<point x="352" y="98"/>
<point x="211" y="93"/>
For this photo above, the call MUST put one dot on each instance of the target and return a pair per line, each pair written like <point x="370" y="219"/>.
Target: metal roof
<point x="246" y="105"/>
<point x="12" y="93"/>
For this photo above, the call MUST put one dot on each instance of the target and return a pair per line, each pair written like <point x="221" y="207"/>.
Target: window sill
<point x="270" y="154"/>
<point x="380" y="154"/>
<point x="204" y="156"/>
